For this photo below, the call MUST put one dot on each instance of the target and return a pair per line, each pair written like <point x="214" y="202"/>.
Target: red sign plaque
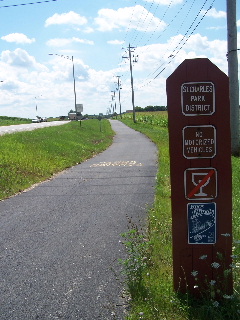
<point x="198" y="98"/>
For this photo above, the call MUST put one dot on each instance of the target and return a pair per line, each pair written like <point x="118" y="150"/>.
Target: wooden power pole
<point x="119" y="95"/>
<point x="233" y="74"/>
<point x="132" y="59"/>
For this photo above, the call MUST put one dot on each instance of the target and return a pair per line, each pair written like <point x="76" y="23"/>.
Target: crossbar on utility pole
<point x="233" y="74"/>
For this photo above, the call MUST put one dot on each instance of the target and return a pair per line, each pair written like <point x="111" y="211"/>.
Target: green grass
<point x="7" y="121"/>
<point x="30" y="157"/>
<point x="152" y="296"/>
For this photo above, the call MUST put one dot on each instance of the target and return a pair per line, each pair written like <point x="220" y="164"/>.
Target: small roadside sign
<point x="79" y="108"/>
<point x="199" y="142"/>
<point x="201" y="223"/>
<point x="200" y="183"/>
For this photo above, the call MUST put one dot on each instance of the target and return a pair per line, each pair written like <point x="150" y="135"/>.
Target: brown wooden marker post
<point x="201" y="179"/>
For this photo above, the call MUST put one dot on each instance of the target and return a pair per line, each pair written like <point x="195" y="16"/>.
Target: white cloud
<point x="70" y="18"/>
<point x="20" y="58"/>
<point x="10" y="85"/>
<point x="93" y="87"/>
<point x="88" y="30"/>
<point x="19" y="38"/>
<point x="128" y="18"/>
<point x="63" y="69"/>
<point x="116" y="42"/>
<point x="213" y="13"/>
<point x="216" y="28"/>
<point x="215" y="49"/>
<point x="164" y="58"/>
<point x="54" y="85"/>
<point x="238" y="23"/>
<point x="61" y="42"/>
<point x="156" y="60"/>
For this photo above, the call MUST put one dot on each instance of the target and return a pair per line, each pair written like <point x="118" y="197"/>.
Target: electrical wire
<point x="147" y="14"/>
<point x="172" y="56"/>
<point x="192" y="25"/>
<point x="178" y="31"/>
<point x="161" y="19"/>
<point x="128" y="29"/>
<point x="147" y="11"/>
<point x="173" y="19"/>
<point x="25" y="4"/>
<point x="170" y="23"/>
<point x="180" y="44"/>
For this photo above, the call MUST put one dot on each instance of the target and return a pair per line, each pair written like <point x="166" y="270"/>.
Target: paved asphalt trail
<point x="59" y="241"/>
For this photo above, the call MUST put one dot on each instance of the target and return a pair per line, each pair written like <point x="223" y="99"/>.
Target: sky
<point x="94" y="36"/>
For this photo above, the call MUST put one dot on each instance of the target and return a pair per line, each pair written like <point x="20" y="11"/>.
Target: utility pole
<point x="73" y="73"/>
<point x="233" y="74"/>
<point x="113" y="104"/>
<point x="119" y="96"/>
<point x="134" y="60"/>
<point x="113" y="99"/>
<point x="74" y="88"/>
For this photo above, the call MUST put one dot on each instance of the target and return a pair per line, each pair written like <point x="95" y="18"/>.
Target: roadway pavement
<point x="29" y="126"/>
<point x="60" y="241"/>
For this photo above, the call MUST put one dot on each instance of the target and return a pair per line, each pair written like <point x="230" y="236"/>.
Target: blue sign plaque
<point x="201" y="223"/>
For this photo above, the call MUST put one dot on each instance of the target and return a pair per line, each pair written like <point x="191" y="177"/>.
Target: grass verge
<point x="150" y="284"/>
<point x="27" y="158"/>
<point x="7" y="121"/>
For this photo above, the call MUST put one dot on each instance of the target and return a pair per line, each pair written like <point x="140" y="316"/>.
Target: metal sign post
<point x="201" y="178"/>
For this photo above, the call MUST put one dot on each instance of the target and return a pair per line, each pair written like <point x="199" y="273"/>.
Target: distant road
<point x="29" y="126"/>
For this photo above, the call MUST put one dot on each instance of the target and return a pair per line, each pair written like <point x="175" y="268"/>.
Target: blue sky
<point x="96" y="33"/>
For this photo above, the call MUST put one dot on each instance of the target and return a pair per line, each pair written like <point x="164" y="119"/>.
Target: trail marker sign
<point x="201" y="178"/>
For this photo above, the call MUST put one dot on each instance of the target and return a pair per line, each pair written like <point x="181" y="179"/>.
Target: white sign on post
<point x="198" y="98"/>
<point x="79" y="107"/>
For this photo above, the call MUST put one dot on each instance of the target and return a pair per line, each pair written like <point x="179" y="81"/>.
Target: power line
<point x="150" y="24"/>
<point x="176" y="17"/>
<point x="150" y="20"/>
<point x="151" y="36"/>
<point x="169" y="24"/>
<point x="161" y="20"/>
<point x="174" y="53"/>
<point x="186" y="33"/>
<point x="25" y="4"/>
<point x="142" y="20"/>
<point x="147" y="11"/>
<point x="147" y="14"/>
<point x="193" y="24"/>
<point x="128" y="29"/>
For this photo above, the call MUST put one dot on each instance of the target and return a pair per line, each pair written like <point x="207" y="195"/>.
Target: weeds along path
<point x="60" y="241"/>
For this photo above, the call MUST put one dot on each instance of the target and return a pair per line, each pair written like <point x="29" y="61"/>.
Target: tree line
<point x="150" y="108"/>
